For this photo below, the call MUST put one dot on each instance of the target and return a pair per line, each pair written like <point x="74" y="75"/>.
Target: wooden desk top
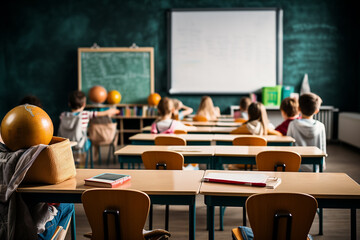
<point x="269" y="138"/>
<point x="201" y="129"/>
<point x="187" y="137"/>
<point x="155" y="182"/>
<point x="213" y="124"/>
<point x="319" y="185"/>
<point x="250" y="151"/>
<point x="208" y="137"/>
<point x="137" y="150"/>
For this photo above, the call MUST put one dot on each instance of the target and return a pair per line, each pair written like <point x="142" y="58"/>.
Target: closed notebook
<point x="256" y="179"/>
<point x="107" y="180"/>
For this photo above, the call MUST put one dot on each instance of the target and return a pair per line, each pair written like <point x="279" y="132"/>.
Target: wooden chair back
<point x="240" y="120"/>
<point x="169" y="140"/>
<point x="278" y="160"/>
<point x="250" y="141"/>
<point x="129" y="207"/>
<point x="180" y="131"/>
<point x="199" y="118"/>
<point x="169" y="160"/>
<point x="270" y="213"/>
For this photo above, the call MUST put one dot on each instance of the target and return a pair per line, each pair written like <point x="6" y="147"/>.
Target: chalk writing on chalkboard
<point x="127" y="70"/>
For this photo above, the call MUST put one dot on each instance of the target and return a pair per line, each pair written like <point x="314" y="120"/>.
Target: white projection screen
<point x="226" y="51"/>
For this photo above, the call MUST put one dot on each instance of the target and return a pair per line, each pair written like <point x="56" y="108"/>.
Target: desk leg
<point x="121" y="162"/>
<point x="353" y="224"/>
<point x="244" y="216"/>
<point x="192" y="215"/>
<point x="320" y="212"/>
<point x="73" y="226"/>
<point x="221" y="217"/>
<point x="211" y="213"/>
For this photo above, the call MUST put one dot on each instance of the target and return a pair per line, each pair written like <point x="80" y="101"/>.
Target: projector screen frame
<point x="279" y="47"/>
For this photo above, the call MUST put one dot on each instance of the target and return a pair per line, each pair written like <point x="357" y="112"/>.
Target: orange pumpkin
<point x="154" y="99"/>
<point x="25" y="126"/>
<point x="114" y="97"/>
<point x="97" y="94"/>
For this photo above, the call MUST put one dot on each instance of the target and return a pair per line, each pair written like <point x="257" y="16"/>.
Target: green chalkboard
<point x="127" y="70"/>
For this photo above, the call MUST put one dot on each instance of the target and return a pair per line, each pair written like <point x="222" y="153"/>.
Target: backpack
<point x="170" y="129"/>
<point x="71" y="128"/>
<point x="102" y="130"/>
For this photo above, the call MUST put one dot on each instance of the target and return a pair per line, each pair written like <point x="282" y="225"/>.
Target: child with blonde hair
<point x="165" y="123"/>
<point x="207" y="109"/>
<point x="258" y="123"/>
<point x="180" y="110"/>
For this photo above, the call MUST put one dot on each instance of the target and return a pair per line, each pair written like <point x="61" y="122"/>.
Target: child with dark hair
<point x="30" y="99"/>
<point x="258" y="123"/>
<point x="243" y="109"/>
<point x="308" y="131"/>
<point x="289" y="109"/>
<point x="77" y="103"/>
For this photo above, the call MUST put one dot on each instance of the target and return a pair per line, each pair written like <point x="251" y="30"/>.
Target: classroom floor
<point x="341" y="158"/>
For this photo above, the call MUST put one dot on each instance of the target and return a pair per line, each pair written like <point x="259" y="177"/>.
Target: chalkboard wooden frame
<point x="149" y="50"/>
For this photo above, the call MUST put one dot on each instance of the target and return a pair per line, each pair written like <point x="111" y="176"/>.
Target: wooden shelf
<point x="129" y="125"/>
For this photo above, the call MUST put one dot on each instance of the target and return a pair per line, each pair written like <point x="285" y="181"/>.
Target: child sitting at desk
<point x="258" y="123"/>
<point x="165" y="123"/>
<point x="77" y="103"/>
<point x="180" y="110"/>
<point x="289" y="109"/>
<point x="243" y="110"/>
<point x="207" y="109"/>
<point x="308" y="131"/>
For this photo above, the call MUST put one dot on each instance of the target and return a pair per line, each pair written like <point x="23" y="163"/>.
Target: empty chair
<point x="199" y="118"/>
<point x="247" y="141"/>
<point x="278" y="216"/>
<point x="167" y="160"/>
<point x="180" y="131"/>
<point x="240" y="120"/>
<point x="162" y="160"/>
<point x="278" y="160"/>
<point x="169" y="140"/>
<point x="250" y="141"/>
<point x="118" y="214"/>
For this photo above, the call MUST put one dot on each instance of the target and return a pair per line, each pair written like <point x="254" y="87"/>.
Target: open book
<point x="256" y="179"/>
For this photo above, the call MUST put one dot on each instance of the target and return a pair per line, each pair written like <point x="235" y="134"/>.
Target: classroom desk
<point x="222" y="118"/>
<point x="192" y="154"/>
<point x="191" y="139"/>
<point x="209" y="139"/>
<point x="331" y="190"/>
<point x="163" y="187"/>
<point x="247" y="154"/>
<point x="212" y="124"/>
<point x="273" y="140"/>
<point x="200" y="129"/>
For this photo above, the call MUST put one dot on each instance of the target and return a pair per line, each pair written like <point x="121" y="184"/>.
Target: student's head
<point x="206" y="104"/>
<point x="165" y="106"/>
<point x="33" y="100"/>
<point x="244" y="103"/>
<point x="77" y="99"/>
<point x="177" y="104"/>
<point x="257" y="111"/>
<point x="309" y="104"/>
<point x="290" y="107"/>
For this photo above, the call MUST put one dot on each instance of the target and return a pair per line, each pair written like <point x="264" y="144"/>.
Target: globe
<point x="97" y="94"/>
<point x="25" y="126"/>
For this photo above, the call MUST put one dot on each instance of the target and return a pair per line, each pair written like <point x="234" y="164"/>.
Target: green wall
<point x="38" y="52"/>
